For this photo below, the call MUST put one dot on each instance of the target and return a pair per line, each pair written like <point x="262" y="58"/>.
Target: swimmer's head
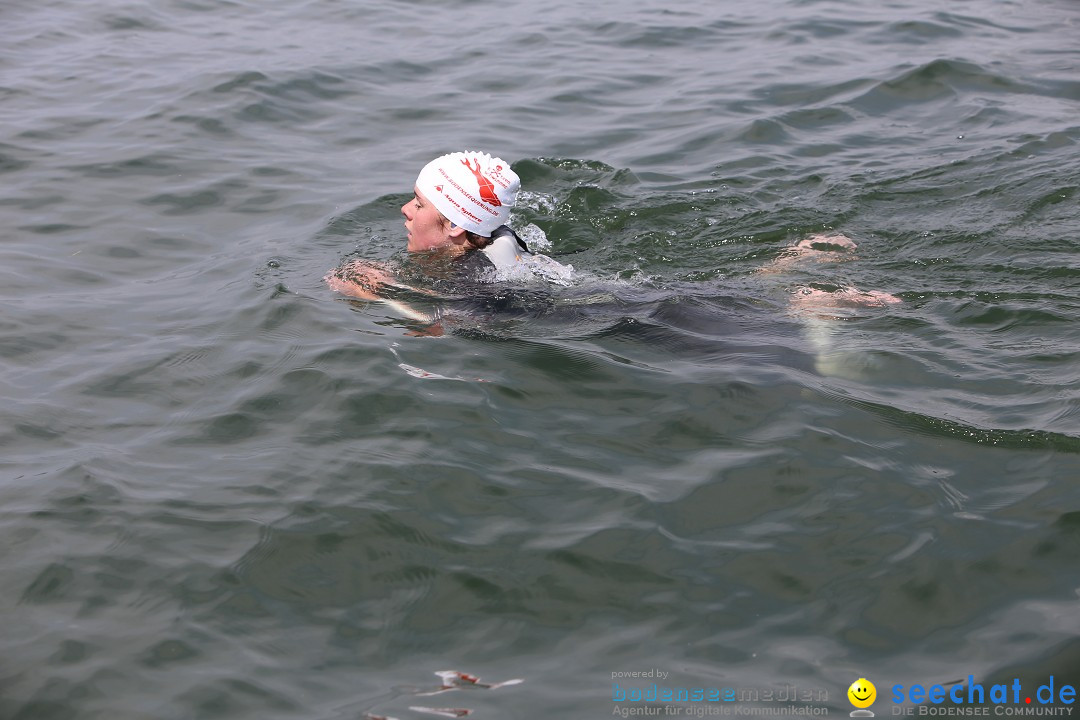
<point x="472" y="190"/>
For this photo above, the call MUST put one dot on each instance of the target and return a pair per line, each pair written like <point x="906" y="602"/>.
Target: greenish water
<point x="224" y="494"/>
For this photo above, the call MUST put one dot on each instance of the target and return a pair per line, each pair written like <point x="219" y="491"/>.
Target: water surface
<point x="225" y="495"/>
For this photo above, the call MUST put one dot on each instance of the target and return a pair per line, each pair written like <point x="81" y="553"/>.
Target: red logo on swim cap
<point x="487" y="188"/>
<point x="438" y="188"/>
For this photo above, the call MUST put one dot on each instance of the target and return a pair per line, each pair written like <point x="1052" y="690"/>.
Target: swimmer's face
<point x="862" y="693"/>
<point x="427" y="228"/>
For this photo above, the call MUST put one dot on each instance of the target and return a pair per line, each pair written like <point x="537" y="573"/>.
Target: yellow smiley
<point x="862" y="693"/>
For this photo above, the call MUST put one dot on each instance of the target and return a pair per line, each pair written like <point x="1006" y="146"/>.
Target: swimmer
<point x="457" y="213"/>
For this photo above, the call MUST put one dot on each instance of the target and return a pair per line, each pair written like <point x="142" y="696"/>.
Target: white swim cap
<point x="471" y="189"/>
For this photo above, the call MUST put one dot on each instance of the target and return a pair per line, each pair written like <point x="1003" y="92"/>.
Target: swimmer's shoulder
<point x="474" y="264"/>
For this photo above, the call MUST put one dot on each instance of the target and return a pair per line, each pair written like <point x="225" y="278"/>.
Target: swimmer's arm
<point x="365" y="281"/>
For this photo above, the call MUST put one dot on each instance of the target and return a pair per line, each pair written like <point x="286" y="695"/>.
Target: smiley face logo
<point x="862" y="693"/>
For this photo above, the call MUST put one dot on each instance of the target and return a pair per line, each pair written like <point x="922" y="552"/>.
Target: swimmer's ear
<point x="457" y="233"/>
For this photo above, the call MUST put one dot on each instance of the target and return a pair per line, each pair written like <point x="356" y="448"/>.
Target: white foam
<point x="535" y="238"/>
<point x="537" y="267"/>
<point x="513" y="265"/>
<point x="540" y="202"/>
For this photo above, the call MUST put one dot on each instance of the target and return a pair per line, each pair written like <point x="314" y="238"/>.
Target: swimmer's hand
<point x="359" y="279"/>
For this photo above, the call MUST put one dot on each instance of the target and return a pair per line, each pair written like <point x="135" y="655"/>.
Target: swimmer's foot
<point x="816" y="248"/>
<point x="807" y="298"/>
<point x="821" y="243"/>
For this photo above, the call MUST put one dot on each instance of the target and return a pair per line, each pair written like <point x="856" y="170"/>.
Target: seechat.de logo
<point x="862" y="695"/>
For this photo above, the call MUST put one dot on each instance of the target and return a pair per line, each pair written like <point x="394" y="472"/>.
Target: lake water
<point x="227" y="492"/>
